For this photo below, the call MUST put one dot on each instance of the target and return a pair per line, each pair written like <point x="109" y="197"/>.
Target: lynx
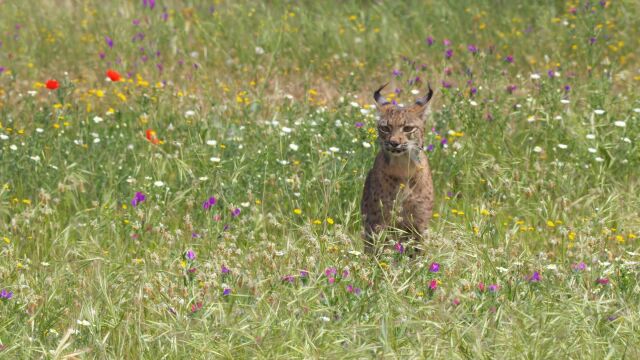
<point x="398" y="191"/>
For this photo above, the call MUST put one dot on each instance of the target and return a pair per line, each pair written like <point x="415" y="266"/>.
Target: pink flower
<point x="433" y="285"/>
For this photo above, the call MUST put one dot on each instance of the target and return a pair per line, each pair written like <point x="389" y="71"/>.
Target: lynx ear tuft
<point x="380" y="100"/>
<point x="425" y="100"/>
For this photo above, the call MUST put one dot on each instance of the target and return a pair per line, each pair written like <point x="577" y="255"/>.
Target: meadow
<point x="182" y="179"/>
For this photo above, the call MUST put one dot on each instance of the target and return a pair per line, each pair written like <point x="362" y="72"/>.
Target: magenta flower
<point x="472" y="49"/>
<point x="138" y="198"/>
<point x="494" y="287"/>
<point x="535" y="277"/>
<point x="511" y="88"/>
<point x="330" y="272"/>
<point x="446" y="42"/>
<point x="195" y="307"/>
<point x="349" y="288"/>
<point x="481" y="286"/>
<point x="150" y="3"/>
<point x="434" y="268"/>
<point x="288" y="278"/>
<point x="433" y="284"/>
<point x="345" y="273"/>
<point x="456" y="301"/>
<point x="509" y="59"/>
<point x="332" y="280"/>
<point x="602" y="281"/>
<point x="235" y="212"/>
<point x="399" y="248"/>
<point x="190" y="255"/>
<point x="207" y="204"/>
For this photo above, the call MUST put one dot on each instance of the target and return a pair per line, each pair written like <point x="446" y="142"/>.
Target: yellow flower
<point x="26" y="201"/>
<point x="435" y="215"/>
<point x="384" y="265"/>
<point x="620" y="239"/>
<point x="6" y="240"/>
<point x="317" y="222"/>
<point x="183" y="264"/>
<point x="330" y="221"/>
<point x="297" y="211"/>
<point x="572" y="235"/>
<point x="485" y="212"/>
<point x="550" y="223"/>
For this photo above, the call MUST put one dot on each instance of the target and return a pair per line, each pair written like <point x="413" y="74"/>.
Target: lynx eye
<point x="409" y="129"/>
<point x="384" y="129"/>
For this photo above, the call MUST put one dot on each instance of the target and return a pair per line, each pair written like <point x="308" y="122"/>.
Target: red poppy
<point x="52" y="84"/>
<point x="113" y="75"/>
<point x="151" y="136"/>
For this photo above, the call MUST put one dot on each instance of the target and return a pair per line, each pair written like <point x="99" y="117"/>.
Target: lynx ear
<point x="421" y="104"/>
<point x="381" y="102"/>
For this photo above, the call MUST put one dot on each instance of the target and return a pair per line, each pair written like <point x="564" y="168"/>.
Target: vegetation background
<point x="181" y="179"/>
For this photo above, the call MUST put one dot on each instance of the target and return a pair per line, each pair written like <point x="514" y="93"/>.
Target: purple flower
<point x="535" y="277"/>
<point x="567" y="88"/>
<point x="448" y="53"/>
<point x="235" y="212"/>
<point x="602" y="281"/>
<point x="195" y="235"/>
<point x="357" y="291"/>
<point x="511" y="88"/>
<point x="350" y="288"/>
<point x="509" y="59"/>
<point x="2" y="69"/>
<point x="304" y="273"/>
<point x="473" y="91"/>
<point x="190" y="255"/>
<point x="494" y="287"/>
<point x="109" y="42"/>
<point x="446" y="42"/>
<point x="581" y="266"/>
<point x="207" y="204"/>
<point x="429" y="40"/>
<point x="345" y="273"/>
<point x="150" y="3"/>
<point x="444" y="141"/>
<point x="136" y="22"/>
<point x="397" y="91"/>
<point x="446" y="84"/>
<point x="396" y="72"/>
<point x="434" y="268"/>
<point x="359" y="125"/>
<point x="472" y="49"/>
<point x="224" y="269"/>
<point x="288" y="278"/>
<point x="165" y="15"/>
<point x="551" y="74"/>
<point x="138" y="198"/>
<point x="399" y="248"/>
<point x="226" y="291"/>
<point x="592" y="40"/>
<point x="4" y="294"/>
<point x="430" y="147"/>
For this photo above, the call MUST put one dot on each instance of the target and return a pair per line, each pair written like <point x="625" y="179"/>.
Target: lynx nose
<point x="394" y="144"/>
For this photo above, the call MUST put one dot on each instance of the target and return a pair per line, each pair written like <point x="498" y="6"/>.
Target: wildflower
<point x="190" y="255"/>
<point x="113" y="75"/>
<point x="430" y="147"/>
<point x="109" y="42"/>
<point x="6" y="295"/>
<point x="535" y="76"/>
<point x="446" y="42"/>
<point x="235" y="212"/>
<point x="350" y="288"/>
<point x="535" y="277"/>
<point x="152" y="137"/>
<point x="288" y="278"/>
<point x="207" y="204"/>
<point x="345" y="273"/>
<point x="226" y="292"/>
<point x="481" y="286"/>
<point x="433" y="285"/>
<point x="399" y="248"/>
<point x="396" y="72"/>
<point x="429" y="40"/>
<point x="448" y="53"/>
<point x="297" y="211"/>
<point x="620" y="123"/>
<point x="598" y="111"/>
<point x="138" y="198"/>
<point x="52" y="84"/>
<point x="472" y="49"/>
<point x="511" y="88"/>
<point x="446" y="84"/>
<point x="494" y="288"/>
<point x="567" y="88"/>
<point x="359" y="125"/>
<point x="224" y="269"/>
<point x="434" y="268"/>
<point x="456" y="301"/>
<point x="330" y="271"/>
<point x="294" y="147"/>
<point x="150" y="3"/>
<point x="195" y="307"/>
<point x="509" y="59"/>
<point x="304" y="273"/>
<point x="602" y="281"/>
<point x="551" y="74"/>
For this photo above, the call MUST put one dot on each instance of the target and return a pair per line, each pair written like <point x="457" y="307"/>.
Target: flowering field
<point x="182" y="179"/>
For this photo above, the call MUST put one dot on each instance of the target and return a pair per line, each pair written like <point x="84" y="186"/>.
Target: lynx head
<point x="401" y="129"/>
